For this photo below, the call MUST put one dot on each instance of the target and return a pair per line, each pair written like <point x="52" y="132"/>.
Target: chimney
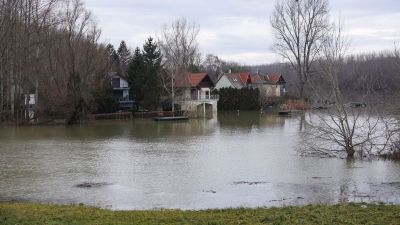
<point x="230" y="71"/>
<point x="258" y="71"/>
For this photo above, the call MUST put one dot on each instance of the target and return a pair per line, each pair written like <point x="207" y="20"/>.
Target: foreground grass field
<point x="13" y="213"/>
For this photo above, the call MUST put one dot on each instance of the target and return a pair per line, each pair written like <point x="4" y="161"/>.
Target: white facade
<point x="30" y="99"/>
<point x="123" y="83"/>
<point x="223" y="82"/>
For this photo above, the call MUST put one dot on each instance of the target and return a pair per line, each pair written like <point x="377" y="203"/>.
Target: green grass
<point x="21" y="213"/>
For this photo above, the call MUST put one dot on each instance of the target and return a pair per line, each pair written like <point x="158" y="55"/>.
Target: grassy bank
<point x="13" y="213"/>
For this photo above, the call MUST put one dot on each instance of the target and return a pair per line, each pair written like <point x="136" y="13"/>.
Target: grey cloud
<point x="240" y="28"/>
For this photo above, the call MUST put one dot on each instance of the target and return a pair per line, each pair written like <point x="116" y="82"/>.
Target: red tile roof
<point x="268" y="79"/>
<point x="235" y="80"/>
<point x="244" y="76"/>
<point x="274" y="77"/>
<point x="255" y="79"/>
<point x="196" y="78"/>
<point x="190" y="80"/>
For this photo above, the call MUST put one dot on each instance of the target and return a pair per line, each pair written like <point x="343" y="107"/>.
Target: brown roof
<point x="191" y="80"/>
<point x="235" y="80"/>
<point x="274" y="77"/>
<point x="267" y="79"/>
<point x="238" y="80"/>
<point x="244" y="76"/>
<point x="256" y="79"/>
<point x="196" y="78"/>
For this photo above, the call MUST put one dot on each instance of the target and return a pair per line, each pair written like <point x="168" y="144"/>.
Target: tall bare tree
<point x="48" y="48"/>
<point x="344" y="129"/>
<point x="213" y="65"/>
<point x="77" y="57"/>
<point x="299" y="27"/>
<point x="178" y="43"/>
<point x="22" y="26"/>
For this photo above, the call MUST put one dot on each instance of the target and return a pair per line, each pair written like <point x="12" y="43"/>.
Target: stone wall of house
<point x="269" y="90"/>
<point x="200" y="109"/>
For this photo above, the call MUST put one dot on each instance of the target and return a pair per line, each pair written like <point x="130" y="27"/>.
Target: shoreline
<point x="351" y="213"/>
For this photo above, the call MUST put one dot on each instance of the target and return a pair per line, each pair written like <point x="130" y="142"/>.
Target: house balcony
<point x="120" y="88"/>
<point x="128" y="104"/>
<point x="198" y="98"/>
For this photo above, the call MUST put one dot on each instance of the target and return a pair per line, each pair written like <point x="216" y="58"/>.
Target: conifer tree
<point x="124" y="57"/>
<point x="114" y="57"/>
<point x="152" y="62"/>
<point x="136" y="77"/>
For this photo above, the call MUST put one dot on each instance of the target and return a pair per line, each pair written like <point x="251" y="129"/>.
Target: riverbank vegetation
<point x="30" y="214"/>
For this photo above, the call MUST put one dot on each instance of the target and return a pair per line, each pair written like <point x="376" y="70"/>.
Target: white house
<point x="193" y="95"/>
<point x="233" y="80"/>
<point x="121" y="91"/>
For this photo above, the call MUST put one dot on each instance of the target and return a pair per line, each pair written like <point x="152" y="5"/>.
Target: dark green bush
<point x="238" y="99"/>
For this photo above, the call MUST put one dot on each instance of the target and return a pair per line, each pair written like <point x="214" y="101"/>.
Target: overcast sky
<point x="239" y="30"/>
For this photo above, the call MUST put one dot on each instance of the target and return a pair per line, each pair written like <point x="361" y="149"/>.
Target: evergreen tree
<point x="152" y="61"/>
<point x="114" y="57"/>
<point x="136" y="77"/>
<point x="103" y="97"/>
<point x="124" y="57"/>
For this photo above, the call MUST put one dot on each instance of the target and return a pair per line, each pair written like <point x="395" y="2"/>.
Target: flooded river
<point x="249" y="160"/>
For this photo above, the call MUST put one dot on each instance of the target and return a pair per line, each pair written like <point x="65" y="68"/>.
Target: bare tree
<point x="75" y="62"/>
<point x="22" y="26"/>
<point x="213" y="65"/>
<point x="48" y="48"/>
<point x="178" y="43"/>
<point x="344" y="129"/>
<point x="299" y="27"/>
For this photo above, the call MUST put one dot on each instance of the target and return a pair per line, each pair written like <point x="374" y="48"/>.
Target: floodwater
<point x="249" y="160"/>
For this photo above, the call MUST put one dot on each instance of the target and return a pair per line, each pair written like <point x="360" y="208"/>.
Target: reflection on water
<point x="235" y="160"/>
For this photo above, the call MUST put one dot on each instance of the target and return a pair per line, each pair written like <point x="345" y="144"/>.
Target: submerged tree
<point x="299" y="27"/>
<point x="344" y="129"/>
<point x="178" y="43"/>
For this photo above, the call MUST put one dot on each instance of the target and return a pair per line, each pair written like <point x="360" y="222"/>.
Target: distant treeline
<point x="238" y="99"/>
<point x="377" y="74"/>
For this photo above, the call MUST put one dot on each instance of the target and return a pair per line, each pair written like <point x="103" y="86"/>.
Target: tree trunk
<point x="35" y="106"/>
<point x="350" y="149"/>
<point x="173" y="96"/>
<point x="1" y="93"/>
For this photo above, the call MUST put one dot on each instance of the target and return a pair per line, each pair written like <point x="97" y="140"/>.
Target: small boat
<point x="175" y="118"/>
<point x="290" y="112"/>
<point x="357" y="104"/>
<point x="285" y="113"/>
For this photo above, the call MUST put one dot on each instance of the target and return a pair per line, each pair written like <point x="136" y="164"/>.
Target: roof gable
<point x="237" y="80"/>
<point x="267" y="79"/>
<point x="193" y="80"/>
<point x="113" y="75"/>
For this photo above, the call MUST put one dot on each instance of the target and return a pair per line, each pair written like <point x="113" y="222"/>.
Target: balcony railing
<point x="198" y="98"/>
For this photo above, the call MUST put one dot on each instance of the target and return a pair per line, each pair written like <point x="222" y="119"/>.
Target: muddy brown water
<point x="249" y="160"/>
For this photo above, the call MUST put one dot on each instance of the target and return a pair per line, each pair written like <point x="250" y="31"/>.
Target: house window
<point x="116" y="82"/>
